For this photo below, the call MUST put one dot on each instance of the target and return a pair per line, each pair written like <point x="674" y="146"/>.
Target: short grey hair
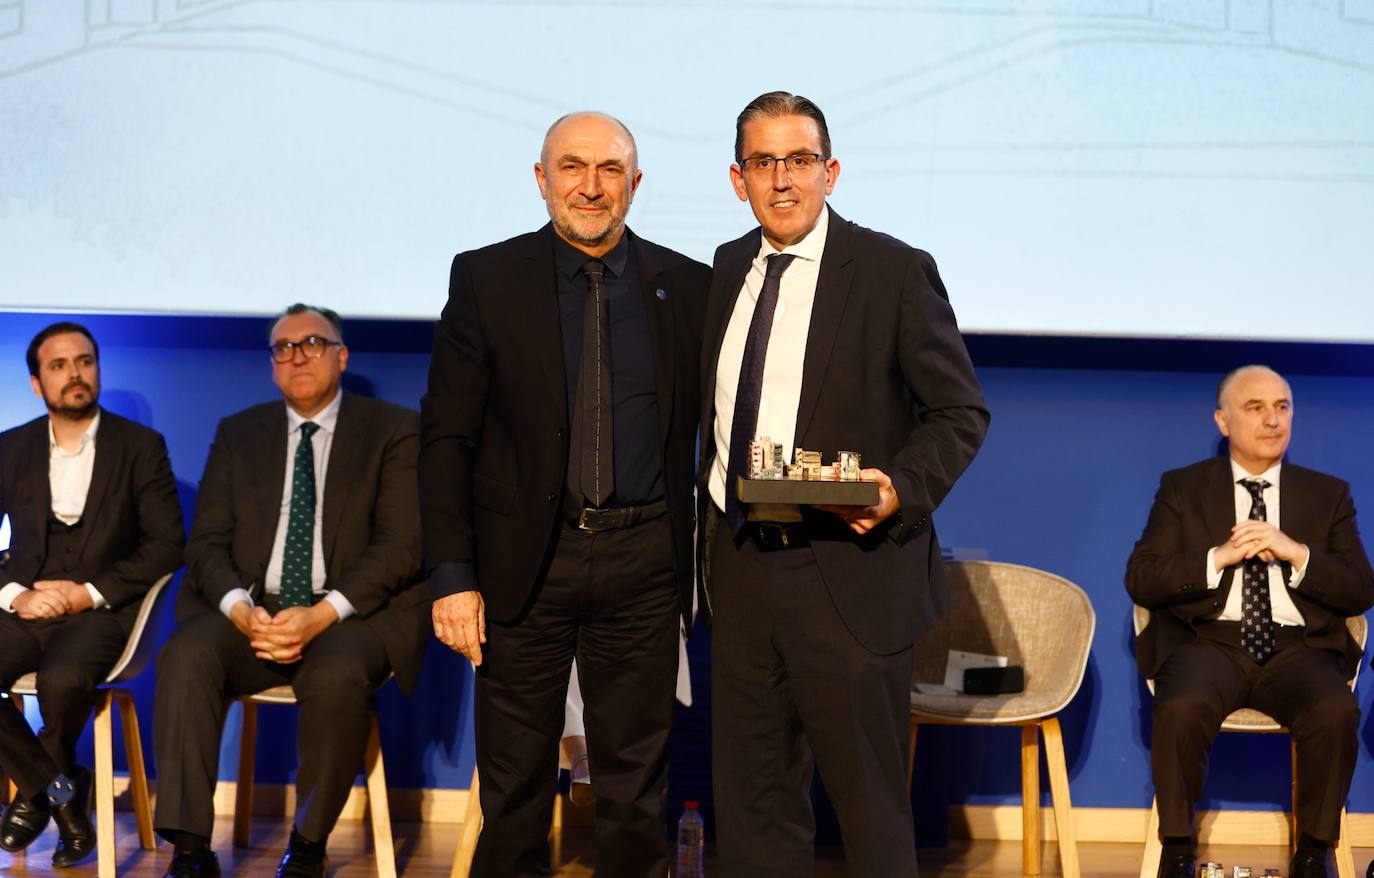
<point x="1230" y="377"/>
<point x="328" y="314"/>
<point x="544" y="148"/>
<point x="774" y="104"/>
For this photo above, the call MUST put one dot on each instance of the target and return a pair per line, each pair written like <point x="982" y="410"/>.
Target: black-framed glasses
<point x="796" y="163"/>
<point x="313" y="346"/>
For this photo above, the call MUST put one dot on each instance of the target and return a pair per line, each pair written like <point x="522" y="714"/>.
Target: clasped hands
<point x="50" y="598"/>
<point x="1259" y="539"/>
<point x="282" y="638"/>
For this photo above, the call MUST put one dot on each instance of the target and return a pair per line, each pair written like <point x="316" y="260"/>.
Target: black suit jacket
<point x="495" y="424"/>
<point x="131" y="531"/>
<point x="886" y="374"/>
<point x="1194" y="510"/>
<point x="370" y="527"/>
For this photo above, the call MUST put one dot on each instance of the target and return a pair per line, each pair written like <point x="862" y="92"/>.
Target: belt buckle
<point x="582" y="524"/>
<point x="771" y="535"/>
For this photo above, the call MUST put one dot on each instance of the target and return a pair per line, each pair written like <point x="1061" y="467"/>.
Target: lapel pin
<point x="662" y="294"/>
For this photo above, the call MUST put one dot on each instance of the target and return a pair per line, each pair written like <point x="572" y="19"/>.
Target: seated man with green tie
<point x="302" y="569"/>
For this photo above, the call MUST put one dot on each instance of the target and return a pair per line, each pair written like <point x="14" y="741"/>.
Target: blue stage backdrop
<point x="1081" y="430"/>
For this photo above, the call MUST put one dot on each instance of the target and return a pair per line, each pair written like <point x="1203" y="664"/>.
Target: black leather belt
<point x="598" y="520"/>
<point x="771" y="536"/>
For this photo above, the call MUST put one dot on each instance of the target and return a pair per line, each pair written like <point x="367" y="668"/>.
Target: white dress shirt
<point x="69" y="481"/>
<point x="782" y="368"/>
<point x="326" y="419"/>
<point x="1281" y="606"/>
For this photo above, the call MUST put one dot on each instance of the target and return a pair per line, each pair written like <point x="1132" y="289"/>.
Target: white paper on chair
<point x="960" y="661"/>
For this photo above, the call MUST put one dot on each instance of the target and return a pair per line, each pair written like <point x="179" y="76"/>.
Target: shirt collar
<point x="325" y="418"/>
<point x="87" y="438"/>
<point x="570" y="260"/>
<point x="1271" y="475"/>
<point x="809" y="248"/>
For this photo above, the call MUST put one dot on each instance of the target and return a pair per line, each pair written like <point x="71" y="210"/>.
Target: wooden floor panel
<point x="426" y="851"/>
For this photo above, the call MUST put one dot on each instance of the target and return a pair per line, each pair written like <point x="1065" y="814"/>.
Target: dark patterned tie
<point x="592" y="438"/>
<point x="298" y="559"/>
<point x="750" y="389"/>
<point x="1256" y="619"/>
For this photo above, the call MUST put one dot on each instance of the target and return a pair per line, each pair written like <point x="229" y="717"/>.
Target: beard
<point x="73" y="412"/>
<point x="564" y="223"/>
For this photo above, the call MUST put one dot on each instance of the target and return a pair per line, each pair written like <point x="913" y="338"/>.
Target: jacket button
<point x="1187" y="586"/>
<point x="561" y="434"/>
<point x="552" y="496"/>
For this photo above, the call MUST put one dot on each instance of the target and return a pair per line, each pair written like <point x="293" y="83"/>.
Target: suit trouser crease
<point x="608" y="601"/>
<point x="791" y="685"/>
<point x="207" y="662"/>
<point x="72" y="655"/>
<point x="1303" y="688"/>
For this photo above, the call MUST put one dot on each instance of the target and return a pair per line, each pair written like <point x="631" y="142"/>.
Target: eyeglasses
<point x="796" y="163"/>
<point x="313" y="346"/>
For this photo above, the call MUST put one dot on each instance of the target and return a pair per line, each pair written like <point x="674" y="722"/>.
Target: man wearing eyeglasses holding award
<point x="302" y="569"/>
<point x="823" y="335"/>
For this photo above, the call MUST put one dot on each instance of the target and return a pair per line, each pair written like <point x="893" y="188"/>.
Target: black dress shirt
<point x="634" y="400"/>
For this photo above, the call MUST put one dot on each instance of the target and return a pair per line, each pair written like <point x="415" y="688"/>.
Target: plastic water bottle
<point x="691" y="843"/>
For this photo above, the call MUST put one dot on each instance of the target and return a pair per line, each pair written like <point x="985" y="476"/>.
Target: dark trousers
<point x="72" y="655"/>
<point x="791" y="689"/>
<point x="610" y="600"/>
<point x="208" y="661"/>
<point x="1301" y="687"/>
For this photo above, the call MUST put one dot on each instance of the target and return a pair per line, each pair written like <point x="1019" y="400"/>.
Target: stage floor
<point x="426" y="851"/>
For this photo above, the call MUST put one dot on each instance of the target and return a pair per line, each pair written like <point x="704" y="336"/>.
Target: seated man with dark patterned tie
<point x="95" y="521"/>
<point x="302" y="569"/>
<point x="1250" y="566"/>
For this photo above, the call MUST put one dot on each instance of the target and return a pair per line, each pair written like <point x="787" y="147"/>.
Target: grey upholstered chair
<point x="1250" y="720"/>
<point x="1037" y="620"/>
<point x="138" y="653"/>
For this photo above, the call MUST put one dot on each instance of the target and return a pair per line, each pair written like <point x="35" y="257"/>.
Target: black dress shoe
<point x="187" y="865"/>
<point x="75" y="832"/>
<point x="24" y="821"/>
<point x="1176" y="865"/>
<point x="295" y="865"/>
<point x="1308" y="864"/>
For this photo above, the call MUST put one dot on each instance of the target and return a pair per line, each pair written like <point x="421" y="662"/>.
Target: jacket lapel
<point x="343" y="456"/>
<point x="832" y="292"/>
<point x="271" y="465"/>
<point x="542" y="326"/>
<point x="37" y="454"/>
<point x="658" y="310"/>
<point x="726" y="281"/>
<point x="108" y="451"/>
<point x="1219" y="512"/>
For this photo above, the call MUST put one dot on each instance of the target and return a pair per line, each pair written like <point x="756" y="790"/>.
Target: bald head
<point x="1255" y="414"/>
<point x="589" y="123"/>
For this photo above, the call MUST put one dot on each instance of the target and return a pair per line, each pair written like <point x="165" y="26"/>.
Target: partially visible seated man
<point x="303" y="569"/>
<point x="94" y="522"/>
<point x="1250" y="566"/>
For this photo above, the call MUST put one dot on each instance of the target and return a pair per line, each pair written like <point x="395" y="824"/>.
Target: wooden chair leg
<point x="911" y="752"/>
<point x="1154" y="848"/>
<point x="1345" y="857"/>
<point x="1059" y="790"/>
<point x="104" y="786"/>
<point x="382" y="844"/>
<point x="138" y="775"/>
<point x="1030" y="800"/>
<point x="243" y="798"/>
<point x="472" y="827"/>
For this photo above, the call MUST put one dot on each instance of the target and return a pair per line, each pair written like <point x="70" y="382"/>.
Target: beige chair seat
<point x="991" y="709"/>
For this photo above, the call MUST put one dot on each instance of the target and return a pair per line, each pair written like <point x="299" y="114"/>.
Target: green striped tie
<point x="298" y="558"/>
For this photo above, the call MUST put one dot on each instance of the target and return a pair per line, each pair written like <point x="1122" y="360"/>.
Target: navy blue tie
<point x="750" y="390"/>
<point x="1256" y="615"/>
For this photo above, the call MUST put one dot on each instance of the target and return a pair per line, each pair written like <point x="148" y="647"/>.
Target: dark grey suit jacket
<point x="886" y="374"/>
<point x="371" y="527"/>
<point x="1195" y="510"/>
<point x="131" y="528"/>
